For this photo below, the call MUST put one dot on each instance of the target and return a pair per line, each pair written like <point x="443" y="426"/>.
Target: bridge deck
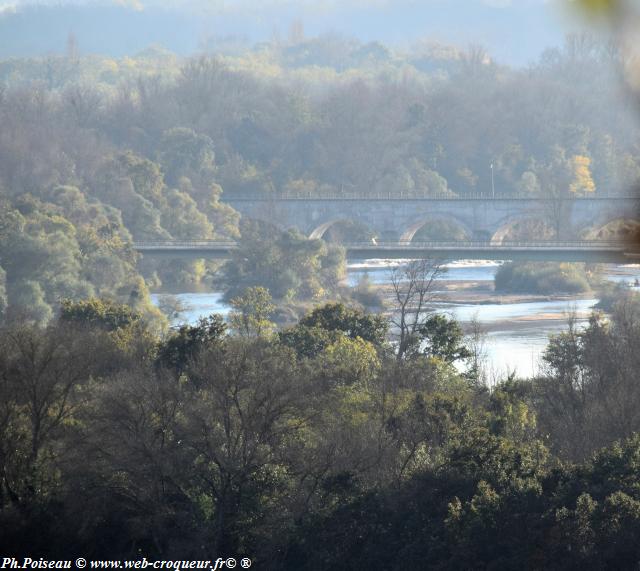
<point x="418" y="196"/>
<point x="569" y="251"/>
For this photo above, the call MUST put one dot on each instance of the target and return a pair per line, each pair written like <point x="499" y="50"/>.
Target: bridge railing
<point x="183" y="243"/>
<point x="410" y="195"/>
<point x="587" y="244"/>
<point x="581" y="244"/>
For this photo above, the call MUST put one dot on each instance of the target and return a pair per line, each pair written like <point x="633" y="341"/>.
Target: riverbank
<point x="517" y="326"/>
<point x="482" y="293"/>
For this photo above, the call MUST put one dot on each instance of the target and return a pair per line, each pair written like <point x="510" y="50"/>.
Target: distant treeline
<point x="97" y="152"/>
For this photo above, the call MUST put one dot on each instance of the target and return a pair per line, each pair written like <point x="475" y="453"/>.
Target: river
<point x="517" y="333"/>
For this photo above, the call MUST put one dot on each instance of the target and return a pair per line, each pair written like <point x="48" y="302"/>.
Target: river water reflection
<point x="517" y="333"/>
<point x="379" y="271"/>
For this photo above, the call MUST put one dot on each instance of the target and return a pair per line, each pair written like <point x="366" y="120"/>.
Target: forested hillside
<point x="97" y="152"/>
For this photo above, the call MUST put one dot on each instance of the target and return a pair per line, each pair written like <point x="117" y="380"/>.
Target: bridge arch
<point x="319" y="231"/>
<point x="529" y="227"/>
<point x="354" y="224"/>
<point x="612" y="228"/>
<point x="408" y="235"/>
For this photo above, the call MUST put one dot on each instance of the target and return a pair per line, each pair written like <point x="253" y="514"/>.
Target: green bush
<point x="543" y="278"/>
<point x="289" y="265"/>
<point x="366" y="293"/>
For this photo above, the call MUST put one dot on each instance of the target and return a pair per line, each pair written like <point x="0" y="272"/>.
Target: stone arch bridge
<point x="399" y="219"/>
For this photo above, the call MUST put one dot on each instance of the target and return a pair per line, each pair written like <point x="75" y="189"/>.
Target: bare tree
<point x="557" y="210"/>
<point x="477" y="361"/>
<point x="412" y="286"/>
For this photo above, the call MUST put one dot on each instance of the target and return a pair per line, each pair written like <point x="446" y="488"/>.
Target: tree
<point x="251" y="312"/>
<point x="185" y="344"/>
<point x="566" y="405"/>
<point x="476" y="372"/>
<point x="42" y="370"/>
<point x="349" y="361"/>
<point x="556" y="179"/>
<point x="442" y="338"/>
<point x="130" y="454"/>
<point x="28" y="303"/>
<point x="183" y="153"/>
<point x="582" y="181"/>
<point x="249" y="404"/>
<point x="588" y="394"/>
<point x="307" y="341"/>
<point x="101" y="313"/>
<point x="287" y="263"/>
<point x="412" y="286"/>
<point x="352" y="322"/>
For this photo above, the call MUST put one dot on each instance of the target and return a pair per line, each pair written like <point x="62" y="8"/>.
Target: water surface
<point x="517" y="333"/>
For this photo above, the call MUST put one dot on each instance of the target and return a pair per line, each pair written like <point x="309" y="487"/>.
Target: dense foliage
<point x="288" y="264"/>
<point x="308" y="116"/>
<point x="545" y="277"/>
<point x="315" y="447"/>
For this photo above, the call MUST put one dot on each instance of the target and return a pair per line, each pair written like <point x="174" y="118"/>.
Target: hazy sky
<point x="255" y="7"/>
<point x="514" y="31"/>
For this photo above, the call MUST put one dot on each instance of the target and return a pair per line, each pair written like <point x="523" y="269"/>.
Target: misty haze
<point x="319" y="284"/>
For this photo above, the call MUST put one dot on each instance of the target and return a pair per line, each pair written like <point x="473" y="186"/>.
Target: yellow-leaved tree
<point x="600" y="6"/>
<point x="582" y="181"/>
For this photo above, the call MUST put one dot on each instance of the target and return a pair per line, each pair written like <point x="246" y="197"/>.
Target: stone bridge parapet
<point x="400" y="219"/>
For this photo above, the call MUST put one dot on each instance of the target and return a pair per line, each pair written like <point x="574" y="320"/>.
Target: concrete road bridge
<point x="399" y="218"/>
<point x="566" y="251"/>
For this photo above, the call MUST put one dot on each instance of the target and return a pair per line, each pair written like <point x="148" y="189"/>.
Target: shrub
<point x="542" y="278"/>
